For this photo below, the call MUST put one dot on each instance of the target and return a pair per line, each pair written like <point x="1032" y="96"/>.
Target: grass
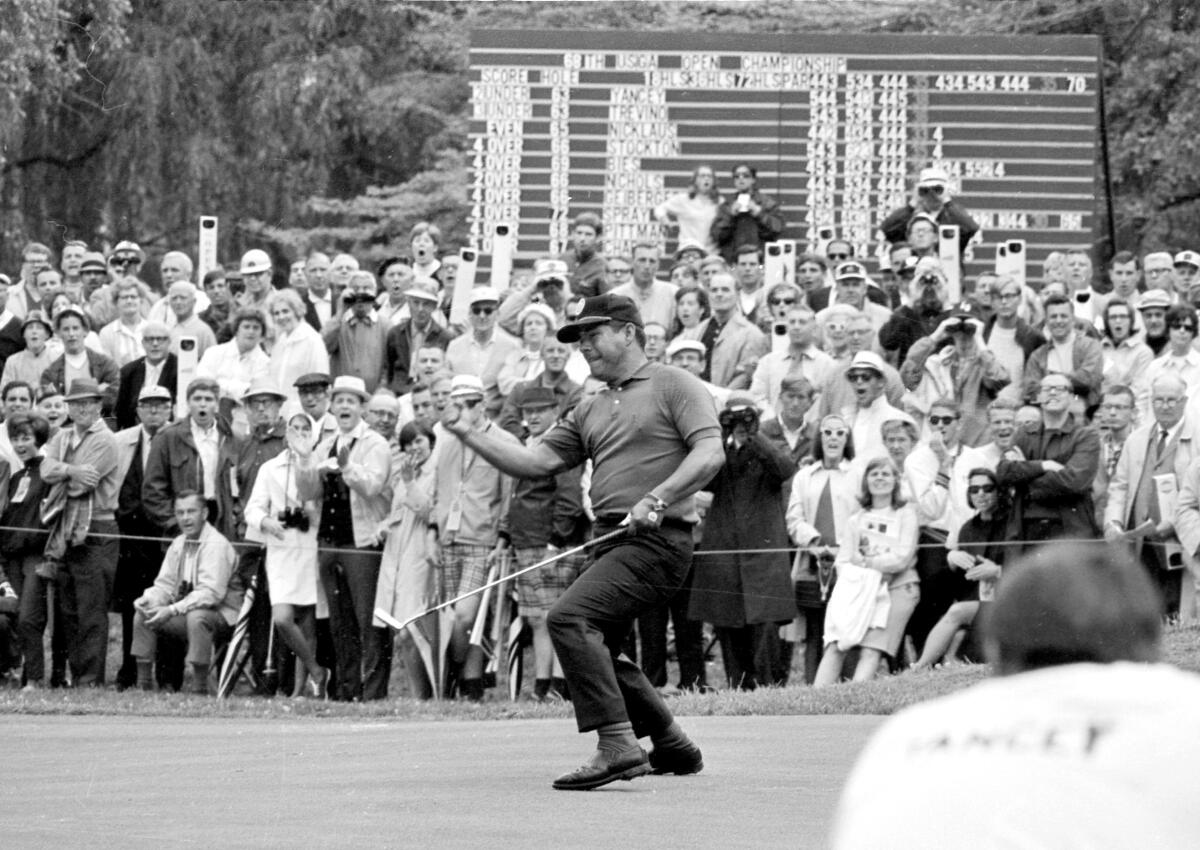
<point x="883" y="696"/>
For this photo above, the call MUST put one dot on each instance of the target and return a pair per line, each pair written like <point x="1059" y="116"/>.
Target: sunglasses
<point x="833" y="432"/>
<point x="471" y="403"/>
<point x="859" y="377"/>
<point x="1183" y="326"/>
<point x="837" y="258"/>
<point x="776" y="301"/>
<point x="126" y="262"/>
<point x="483" y="311"/>
<point x="942" y="420"/>
<point x="981" y="488"/>
<point x="156" y="339"/>
<point x="931" y="190"/>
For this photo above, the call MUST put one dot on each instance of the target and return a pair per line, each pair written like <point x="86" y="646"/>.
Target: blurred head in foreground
<point x="1071" y="603"/>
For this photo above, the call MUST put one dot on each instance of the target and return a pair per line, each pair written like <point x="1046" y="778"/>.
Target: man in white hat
<point x="483" y="350"/>
<point x="410" y="335"/>
<point x="931" y="196"/>
<point x="256" y="277"/>
<point x="690" y="355"/>
<point x="470" y="497"/>
<point x="1187" y="270"/>
<point x="348" y="474"/>
<point x="139" y="557"/>
<point x="871" y="409"/>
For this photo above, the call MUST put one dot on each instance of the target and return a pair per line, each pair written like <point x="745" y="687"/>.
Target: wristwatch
<point x="657" y="503"/>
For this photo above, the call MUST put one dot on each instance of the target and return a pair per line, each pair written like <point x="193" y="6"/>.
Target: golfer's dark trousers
<point x="364" y="655"/>
<point x="630" y="575"/>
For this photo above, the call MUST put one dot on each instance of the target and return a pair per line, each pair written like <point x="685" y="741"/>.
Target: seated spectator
<point x="195" y="598"/>
<point x="976" y="563"/>
<point x="747" y="217"/>
<point x="877" y="586"/>
<point x="1067" y="352"/>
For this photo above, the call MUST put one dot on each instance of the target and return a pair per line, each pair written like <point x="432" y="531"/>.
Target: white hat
<point x="677" y="345"/>
<point x="423" y="288"/>
<point x="350" y="384"/>
<point x="867" y="360"/>
<point x="484" y="293"/>
<point x="931" y="177"/>
<point x="1187" y="258"/>
<point x="540" y="310"/>
<point x="465" y="385"/>
<point x="154" y="392"/>
<point x="254" y="261"/>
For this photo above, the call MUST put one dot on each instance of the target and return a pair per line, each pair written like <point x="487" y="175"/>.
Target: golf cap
<point x="600" y="310"/>
<point x="263" y="388"/>
<point x="254" y="261"/>
<point x="93" y="261"/>
<point x="1187" y="258"/>
<point x="931" y="178"/>
<point x="550" y="271"/>
<point x="1152" y="298"/>
<point x="689" y="245"/>
<point x="154" y="393"/>
<point x="533" y="398"/>
<point x="867" y="360"/>
<point x="124" y="248"/>
<point x="678" y="345"/>
<point x="423" y="288"/>
<point x="484" y="294"/>
<point x="37" y="317"/>
<point x="313" y="379"/>
<point x="850" y="271"/>
<point x="463" y="386"/>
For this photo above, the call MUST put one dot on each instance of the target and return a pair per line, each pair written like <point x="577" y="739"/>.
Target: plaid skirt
<point x="538" y="589"/>
<point x="464" y="568"/>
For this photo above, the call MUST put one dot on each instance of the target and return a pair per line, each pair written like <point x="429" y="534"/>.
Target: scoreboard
<point x="836" y="125"/>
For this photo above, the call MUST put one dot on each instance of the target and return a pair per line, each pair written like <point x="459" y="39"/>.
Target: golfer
<point x="654" y="440"/>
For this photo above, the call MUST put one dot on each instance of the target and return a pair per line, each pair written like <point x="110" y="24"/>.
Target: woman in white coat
<point x="276" y="516"/>
<point x="298" y="349"/>
<point x="407" y="584"/>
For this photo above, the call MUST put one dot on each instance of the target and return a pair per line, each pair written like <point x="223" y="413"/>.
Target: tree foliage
<point x="338" y="124"/>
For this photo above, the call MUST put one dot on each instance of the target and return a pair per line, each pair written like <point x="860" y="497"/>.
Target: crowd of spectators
<point x="263" y="445"/>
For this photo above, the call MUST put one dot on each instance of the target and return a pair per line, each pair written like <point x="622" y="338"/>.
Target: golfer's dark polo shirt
<point x="637" y="434"/>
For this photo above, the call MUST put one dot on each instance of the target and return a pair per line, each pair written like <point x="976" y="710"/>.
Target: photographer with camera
<point x="277" y="516"/>
<point x="745" y="595"/>
<point x="931" y="197"/>
<point x="356" y="336"/>
<point x="926" y="309"/>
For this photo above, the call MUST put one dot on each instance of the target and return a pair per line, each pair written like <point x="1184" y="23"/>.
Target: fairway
<point x="150" y="782"/>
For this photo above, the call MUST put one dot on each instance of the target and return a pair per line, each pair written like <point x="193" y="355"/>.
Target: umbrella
<point x="233" y="665"/>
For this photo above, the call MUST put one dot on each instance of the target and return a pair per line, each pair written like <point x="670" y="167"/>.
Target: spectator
<point x="1125" y="277"/>
<point x="544" y="518"/>
<point x="709" y="266"/>
<point x="789" y="428"/>
<point x="34" y="359"/>
<point x="553" y="377"/>
<point x="298" y="349"/>
<point x="408" y="337"/>
<point x="348" y="475"/>
<point x="484" y="349"/>
<point x="852" y="284"/>
<point x="927" y="311"/>
<point x="407" y="584"/>
<point x="692" y="311"/>
<point x="534" y="325"/>
<point x="182" y="299"/>
<point x="618" y="271"/>
<point x="1159" y="272"/>
<point x="745" y="596"/>
<point x="748" y="272"/>
<point x="195" y="597"/>
<point x="313" y="390"/>
<point x="965" y="371"/>
<point x="750" y="217"/>
<point x="656" y="342"/>
<point x="1179" y="358"/>
<point x="318" y="306"/>
<point x="382" y="415"/>
<point x="357" y="338"/>
<point x="1087" y="303"/>
<point x="931" y="197"/>
<point x="220" y="303"/>
<point x="424" y="241"/>
<point x="1067" y="352"/>
<point x="655" y="299"/>
<point x="25" y="540"/>
<point x="255" y="269"/>
<point x="1155" y="461"/>
<point x="121" y="339"/>
<point x="823" y="496"/>
<point x="736" y="343"/>
<point x="470" y="497"/>
<point x="69" y="264"/>
<point x="976" y="562"/>
<point x="1187" y="271"/>
<point x="921" y="233"/>
<point x="801" y="358"/>
<point x="779" y="298"/>
<point x="693" y="211"/>
<point x="157" y="368"/>
<point x="1114" y="420"/>
<point x="1052" y="468"/>
<point x="877" y="578"/>
<point x="683" y="273"/>
<point x="690" y="356"/>
<point x="870" y="407"/>
<point x="1153" y="307"/>
<point x="1127" y="358"/>
<point x="547" y="288"/>
<point x="93" y="274"/>
<point x="396" y="278"/>
<point x="139" y="554"/>
<point x="80" y="362"/>
<point x="83" y="459"/>
<point x="585" y="263"/>
<point x="287" y="525"/>
<point x="50" y="404"/>
<point x="17" y="397"/>
<point x="197" y="453"/>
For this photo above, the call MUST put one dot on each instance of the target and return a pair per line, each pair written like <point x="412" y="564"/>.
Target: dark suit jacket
<point x="174" y="466"/>
<point x="398" y="354"/>
<point x="103" y="369"/>
<point x="133" y="376"/>
<point x="773" y="431"/>
<point x="11" y="339"/>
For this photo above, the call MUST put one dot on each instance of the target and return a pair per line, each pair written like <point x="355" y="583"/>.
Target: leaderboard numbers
<point x="560" y="158"/>
<point x="821" y="154"/>
<point x="858" y="130"/>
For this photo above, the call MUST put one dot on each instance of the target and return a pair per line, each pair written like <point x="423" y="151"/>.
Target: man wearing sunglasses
<point x="932" y="197"/>
<point x="870" y="409"/>
<point x="747" y="217"/>
<point x="1052" y="467"/>
<point x="1180" y="358"/>
<point x="483" y="350"/>
<point x="126" y="259"/>
<point x="654" y="440"/>
<point x="1155" y="462"/>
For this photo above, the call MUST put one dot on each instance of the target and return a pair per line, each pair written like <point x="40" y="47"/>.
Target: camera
<point x="730" y="419"/>
<point x="929" y="279"/>
<point x="294" y="518"/>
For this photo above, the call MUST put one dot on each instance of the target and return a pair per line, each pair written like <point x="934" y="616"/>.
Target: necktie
<point x="1162" y="444"/>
